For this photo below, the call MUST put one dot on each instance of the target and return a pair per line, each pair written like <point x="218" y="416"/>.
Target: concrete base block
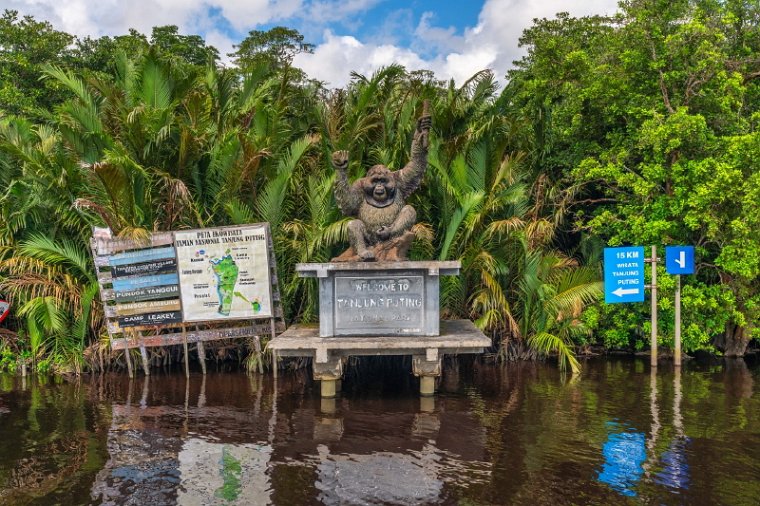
<point x="427" y="386"/>
<point x="327" y="388"/>
<point x="331" y="369"/>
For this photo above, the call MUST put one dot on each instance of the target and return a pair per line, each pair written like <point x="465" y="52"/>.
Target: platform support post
<point x="129" y="360"/>
<point x="329" y="371"/>
<point x="427" y="367"/>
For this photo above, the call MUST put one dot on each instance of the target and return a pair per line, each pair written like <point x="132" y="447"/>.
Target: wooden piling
<point x="202" y="356"/>
<point x="187" y="353"/>
<point x="129" y="363"/>
<point x="145" y="361"/>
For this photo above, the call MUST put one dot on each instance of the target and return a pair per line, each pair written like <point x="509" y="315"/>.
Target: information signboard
<point x="624" y="275"/>
<point x="227" y="275"/>
<point x="224" y="273"/>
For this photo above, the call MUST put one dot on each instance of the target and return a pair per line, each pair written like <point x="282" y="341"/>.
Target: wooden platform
<point x="457" y="336"/>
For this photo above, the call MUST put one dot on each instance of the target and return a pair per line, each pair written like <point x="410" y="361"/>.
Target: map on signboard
<point x="224" y="273"/>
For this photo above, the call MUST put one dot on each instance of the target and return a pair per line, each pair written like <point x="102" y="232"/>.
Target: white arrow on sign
<point x="681" y="260"/>
<point x="626" y="291"/>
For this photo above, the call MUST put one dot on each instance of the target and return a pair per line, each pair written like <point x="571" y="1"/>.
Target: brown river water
<point x="516" y="434"/>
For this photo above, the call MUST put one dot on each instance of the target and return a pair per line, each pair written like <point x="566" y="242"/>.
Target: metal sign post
<point x="677" y="344"/>
<point x="653" y="337"/>
<point x="678" y="260"/>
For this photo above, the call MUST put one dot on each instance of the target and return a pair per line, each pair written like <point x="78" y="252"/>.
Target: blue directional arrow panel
<point x="679" y="259"/>
<point x="624" y="275"/>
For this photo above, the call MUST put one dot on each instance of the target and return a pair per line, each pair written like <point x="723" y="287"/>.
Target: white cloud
<point x="244" y="14"/>
<point x="326" y="11"/>
<point x="501" y="22"/>
<point x="437" y="38"/>
<point x="492" y="43"/>
<point x="338" y="56"/>
<point x="109" y="17"/>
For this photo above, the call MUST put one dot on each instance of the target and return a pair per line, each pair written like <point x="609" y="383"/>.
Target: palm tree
<point x="55" y="285"/>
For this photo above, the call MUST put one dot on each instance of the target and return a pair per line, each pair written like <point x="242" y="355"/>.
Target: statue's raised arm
<point x="411" y="175"/>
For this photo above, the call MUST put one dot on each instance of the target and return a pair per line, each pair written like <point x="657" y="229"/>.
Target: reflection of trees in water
<point x="50" y="442"/>
<point x="46" y="471"/>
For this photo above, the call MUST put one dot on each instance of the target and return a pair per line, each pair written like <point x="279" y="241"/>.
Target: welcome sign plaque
<point x="393" y="304"/>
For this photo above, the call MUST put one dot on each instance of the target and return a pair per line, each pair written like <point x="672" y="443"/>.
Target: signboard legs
<point x="653" y="261"/>
<point x="129" y="363"/>
<point x="201" y="354"/>
<point x="187" y="354"/>
<point x="146" y="364"/>
<point x="677" y="344"/>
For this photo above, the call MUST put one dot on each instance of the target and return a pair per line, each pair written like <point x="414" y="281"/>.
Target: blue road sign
<point x="624" y="275"/>
<point x="679" y="259"/>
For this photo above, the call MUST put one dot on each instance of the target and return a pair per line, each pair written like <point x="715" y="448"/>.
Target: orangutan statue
<point x="382" y="230"/>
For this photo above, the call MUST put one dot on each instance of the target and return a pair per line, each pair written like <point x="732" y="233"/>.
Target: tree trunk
<point x="734" y="342"/>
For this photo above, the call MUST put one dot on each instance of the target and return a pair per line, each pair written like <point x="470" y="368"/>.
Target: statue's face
<point x="379" y="186"/>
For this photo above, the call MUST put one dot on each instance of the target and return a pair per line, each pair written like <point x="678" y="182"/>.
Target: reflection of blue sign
<point x="624" y="453"/>
<point x="675" y="474"/>
<point x="624" y="274"/>
<point x="679" y="259"/>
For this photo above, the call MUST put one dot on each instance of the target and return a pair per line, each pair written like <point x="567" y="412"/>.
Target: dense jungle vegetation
<point x="640" y="128"/>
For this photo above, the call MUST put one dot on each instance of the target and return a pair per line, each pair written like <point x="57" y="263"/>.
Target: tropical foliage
<point x="652" y="115"/>
<point x="637" y="128"/>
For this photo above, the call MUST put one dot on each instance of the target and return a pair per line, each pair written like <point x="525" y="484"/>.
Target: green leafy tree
<point x="25" y="46"/>
<point x="648" y="115"/>
<point x="275" y="47"/>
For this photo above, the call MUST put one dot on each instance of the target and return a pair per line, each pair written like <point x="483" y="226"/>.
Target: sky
<point x="453" y="38"/>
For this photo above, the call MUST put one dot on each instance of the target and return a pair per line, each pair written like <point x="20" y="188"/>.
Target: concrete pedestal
<point x="328" y="353"/>
<point x="379" y="298"/>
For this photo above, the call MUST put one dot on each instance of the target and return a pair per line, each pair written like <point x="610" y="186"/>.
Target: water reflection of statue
<point x="382" y="230"/>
